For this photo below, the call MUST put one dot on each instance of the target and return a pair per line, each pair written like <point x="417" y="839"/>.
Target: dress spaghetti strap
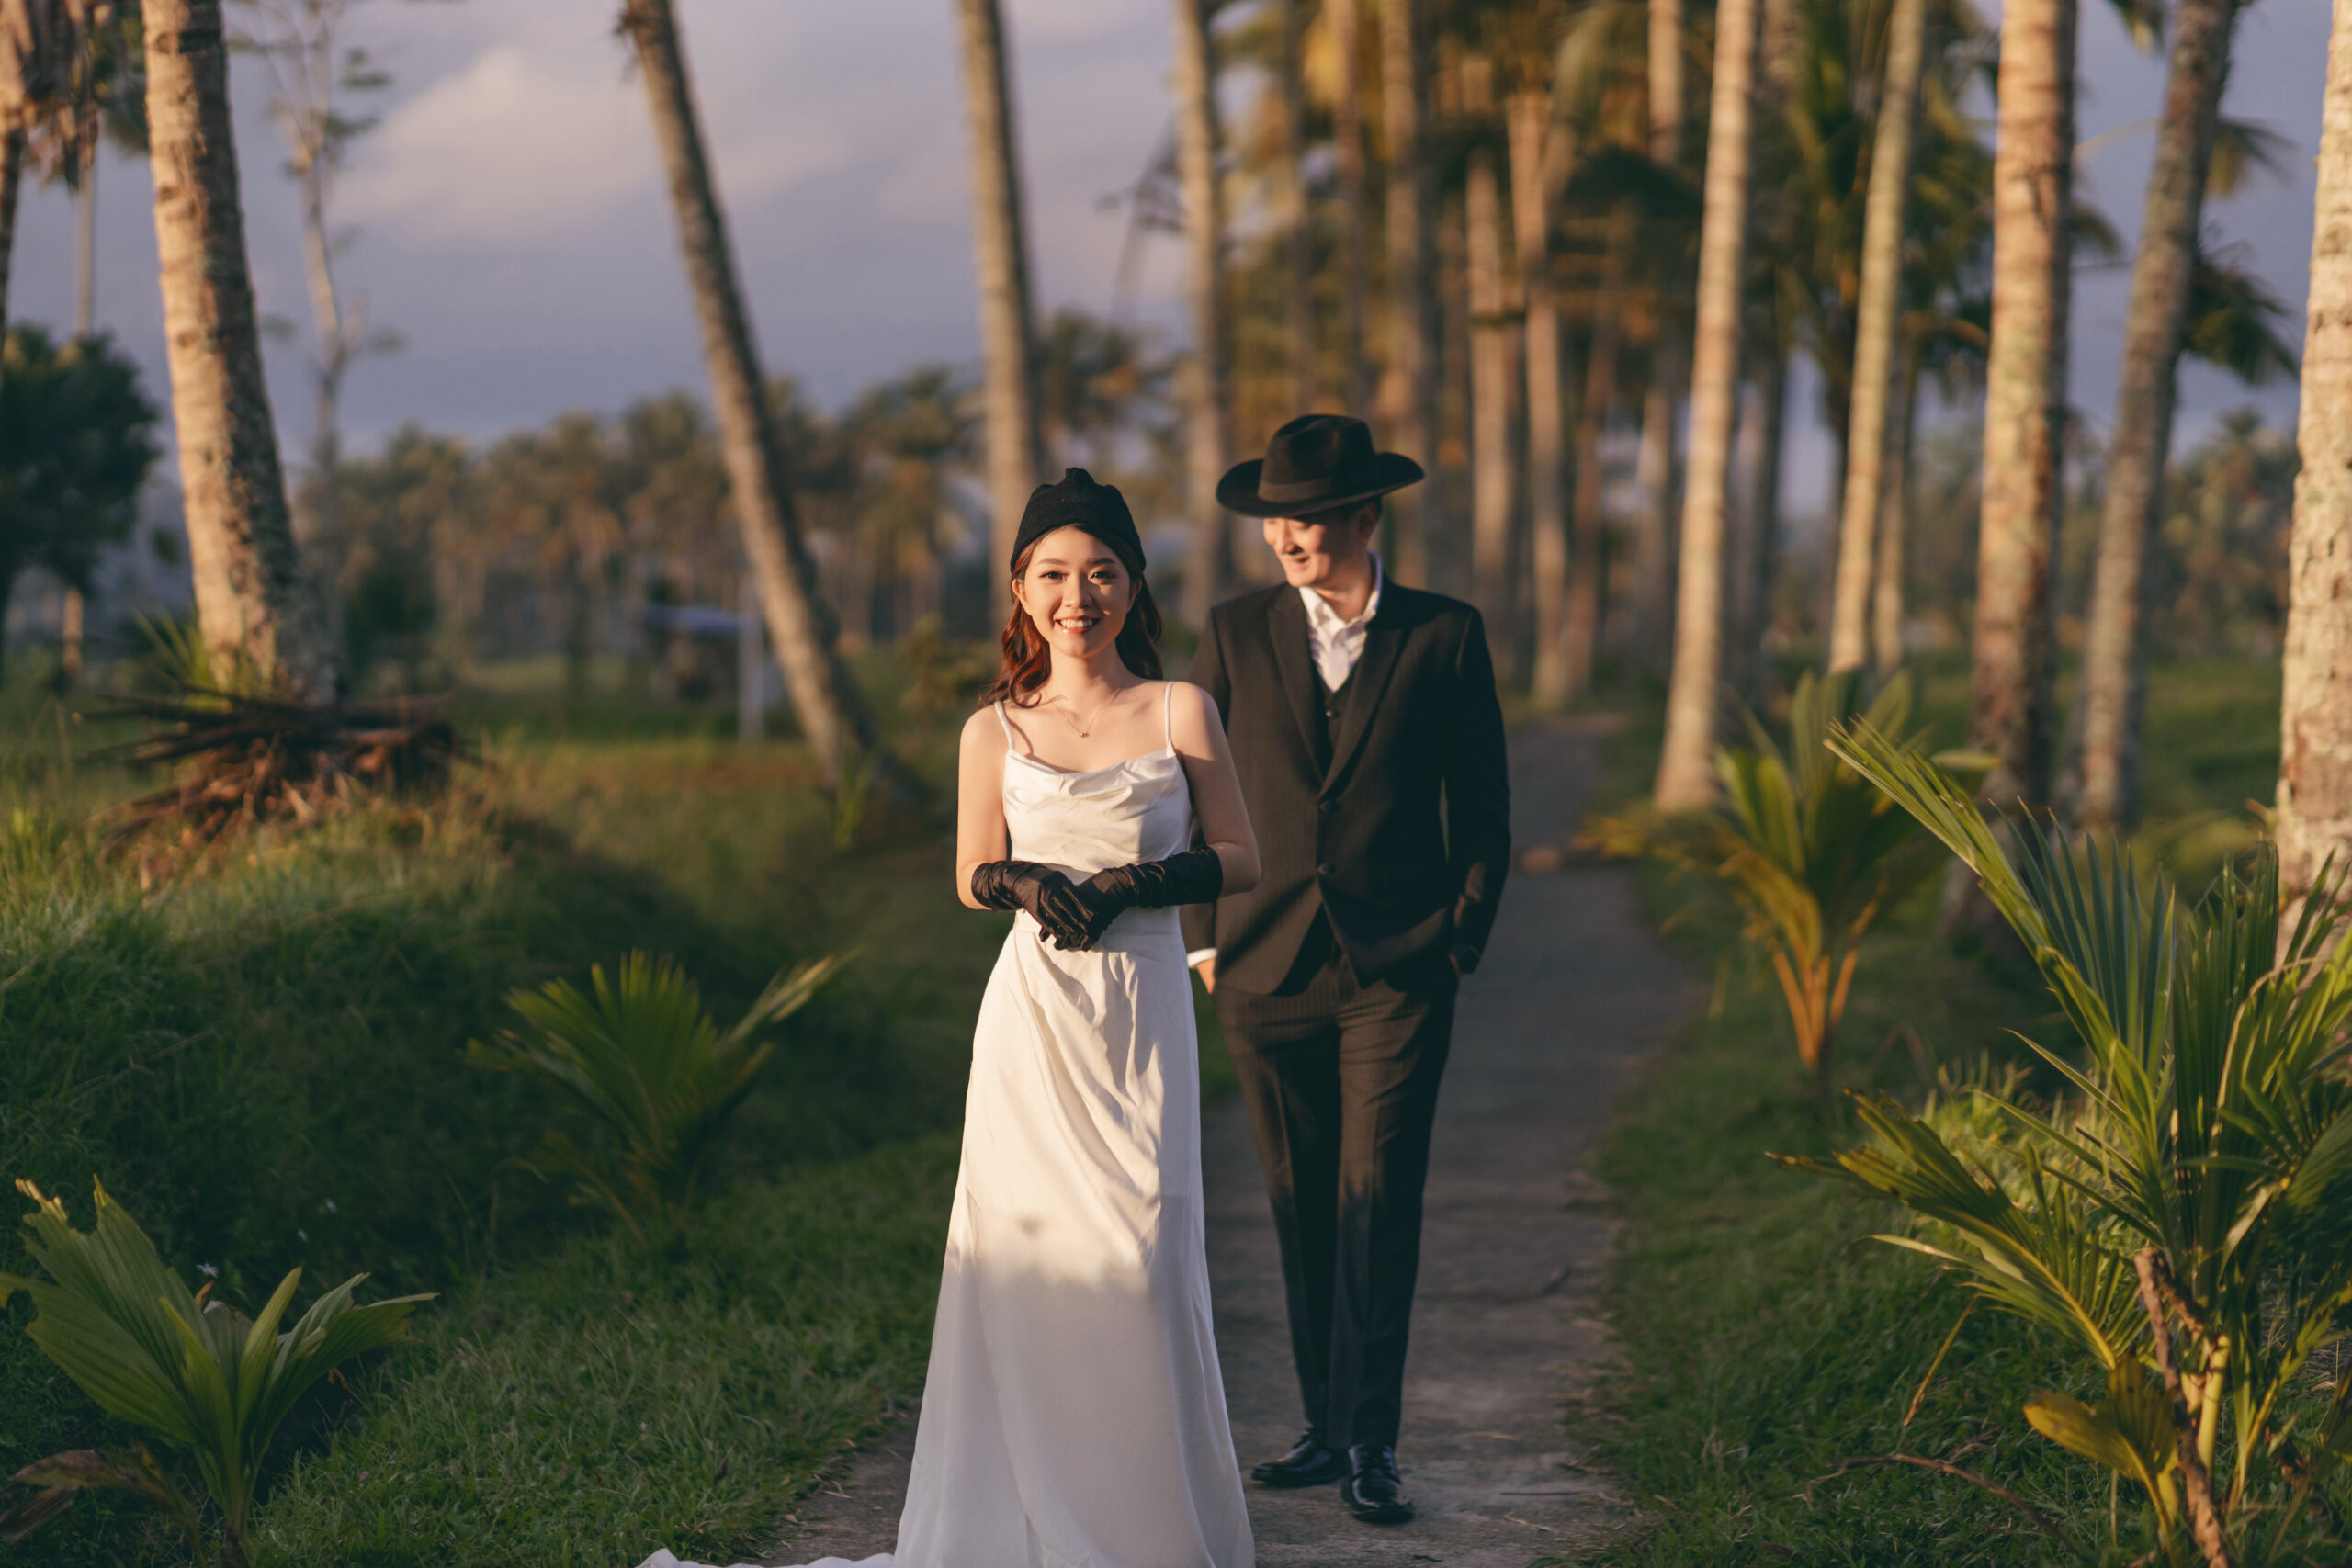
<point x="1167" y="714"/>
<point x="1006" y="725"/>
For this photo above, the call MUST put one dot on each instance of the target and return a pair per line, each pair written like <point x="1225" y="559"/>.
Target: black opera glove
<point x="1196" y="876"/>
<point x="1061" y="911"/>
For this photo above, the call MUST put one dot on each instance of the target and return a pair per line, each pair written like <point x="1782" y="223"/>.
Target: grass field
<point x="1766" y="1342"/>
<point x="261" y="1059"/>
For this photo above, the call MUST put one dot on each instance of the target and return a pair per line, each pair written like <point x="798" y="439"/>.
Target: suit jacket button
<point x="1323" y="870"/>
<point x="1327" y="807"/>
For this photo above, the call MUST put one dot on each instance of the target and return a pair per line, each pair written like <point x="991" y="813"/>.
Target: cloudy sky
<point x="511" y="227"/>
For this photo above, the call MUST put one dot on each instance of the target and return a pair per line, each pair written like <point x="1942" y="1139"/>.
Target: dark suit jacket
<point x="1405" y="839"/>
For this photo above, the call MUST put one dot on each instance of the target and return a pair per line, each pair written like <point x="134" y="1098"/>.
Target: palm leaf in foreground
<point x="652" y="1069"/>
<point x="195" y="1371"/>
<point x="2185" y="1206"/>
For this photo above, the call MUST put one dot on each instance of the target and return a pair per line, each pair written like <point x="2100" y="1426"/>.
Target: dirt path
<point x="1572" y="994"/>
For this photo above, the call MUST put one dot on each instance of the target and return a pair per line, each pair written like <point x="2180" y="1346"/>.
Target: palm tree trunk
<point x="1209" y="566"/>
<point x="1887" y="608"/>
<point x="1875" y="311"/>
<point x="2114" y="650"/>
<point x="1665" y="62"/>
<point x="1348" y="163"/>
<point x="86" y="229"/>
<point x="12" y="184"/>
<point x="1410" y="399"/>
<point x="831" y="713"/>
<point x="1587" y="569"/>
<point x="2314" y="820"/>
<point x="2025" y="378"/>
<point x="1654" y="469"/>
<point x="1298" y="247"/>
<point x="1536" y="165"/>
<point x="254" y="609"/>
<point x="1686" y="765"/>
<point x="1001" y="254"/>
<point x="1763" y="437"/>
<point x="1491" y="376"/>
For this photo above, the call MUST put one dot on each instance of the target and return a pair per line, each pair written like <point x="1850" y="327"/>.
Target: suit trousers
<point x="1341" y="1082"/>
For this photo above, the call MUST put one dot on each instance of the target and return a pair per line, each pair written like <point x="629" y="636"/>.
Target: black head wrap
<point x="1079" y="503"/>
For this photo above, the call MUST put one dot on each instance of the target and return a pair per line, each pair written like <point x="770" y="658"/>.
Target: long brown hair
<point x="1029" y="659"/>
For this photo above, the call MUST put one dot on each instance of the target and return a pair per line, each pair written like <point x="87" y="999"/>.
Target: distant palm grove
<point x="1601" y="266"/>
<point x="1572" y="253"/>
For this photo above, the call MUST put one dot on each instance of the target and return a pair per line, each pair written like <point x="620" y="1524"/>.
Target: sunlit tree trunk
<point x="1298" y="244"/>
<point x="1348" y="163"/>
<point x="1535" y="158"/>
<point x="1874" y="333"/>
<point x="1209" y="566"/>
<point x="831" y="712"/>
<point x="86" y="228"/>
<point x="1000" y="257"/>
<point x="252" y="603"/>
<point x="1410" y="399"/>
<point x="1686" y="765"/>
<point x="2114" y="648"/>
<point x="2314" y="821"/>
<point x="1491" y="376"/>
<point x="1587" y="569"/>
<point x="1887" y="566"/>
<point x="2025" y="376"/>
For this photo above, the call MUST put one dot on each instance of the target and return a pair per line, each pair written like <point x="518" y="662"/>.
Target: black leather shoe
<point x="1373" y="1492"/>
<point x="1308" y="1463"/>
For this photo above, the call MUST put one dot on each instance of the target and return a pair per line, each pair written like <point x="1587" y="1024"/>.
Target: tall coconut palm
<point x="1875" y="330"/>
<point x="2114" y="650"/>
<point x="12" y="182"/>
<point x="1493" y="370"/>
<point x="1537" y="156"/>
<point x="252" y="603"/>
<point x="2025" y="396"/>
<point x="2314" y="820"/>
<point x="1894" y="515"/>
<point x="1344" y="19"/>
<point x="40" y="43"/>
<point x="1409" y="399"/>
<point x="1580" y="632"/>
<point x="1655" y="469"/>
<point x="831" y="713"/>
<point x="1298" y="243"/>
<point x="1001" y="254"/>
<point x="1210" y="564"/>
<point x="1686" y="765"/>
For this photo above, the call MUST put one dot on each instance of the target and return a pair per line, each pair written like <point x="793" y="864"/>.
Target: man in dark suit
<point x="1364" y="723"/>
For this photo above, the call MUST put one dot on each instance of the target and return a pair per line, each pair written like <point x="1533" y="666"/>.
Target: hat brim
<point x="1238" y="491"/>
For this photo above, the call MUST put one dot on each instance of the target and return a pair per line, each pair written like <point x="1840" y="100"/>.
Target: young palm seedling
<point x="652" y="1070"/>
<point x="193" y="1371"/>
<point x="2184" y="1215"/>
<point x="1812" y="852"/>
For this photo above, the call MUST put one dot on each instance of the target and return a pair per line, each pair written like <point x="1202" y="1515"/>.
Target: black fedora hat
<point x="1315" y="463"/>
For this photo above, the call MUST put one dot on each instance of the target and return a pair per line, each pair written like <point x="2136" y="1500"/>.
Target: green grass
<point x="1765" y="1340"/>
<point x="261" y="1060"/>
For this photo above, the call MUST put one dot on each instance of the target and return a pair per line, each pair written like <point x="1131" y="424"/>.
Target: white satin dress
<point x="1074" y="1416"/>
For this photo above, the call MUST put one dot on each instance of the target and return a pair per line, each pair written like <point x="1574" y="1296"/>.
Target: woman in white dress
<point x="1074" y="1416"/>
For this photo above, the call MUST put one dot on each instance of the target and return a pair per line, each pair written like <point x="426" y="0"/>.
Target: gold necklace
<point x="1086" y="730"/>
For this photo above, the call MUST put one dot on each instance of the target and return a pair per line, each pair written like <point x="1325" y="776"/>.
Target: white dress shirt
<point x="1336" y="645"/>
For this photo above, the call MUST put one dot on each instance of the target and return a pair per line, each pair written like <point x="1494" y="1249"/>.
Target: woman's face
<point x="1075" y="591"/>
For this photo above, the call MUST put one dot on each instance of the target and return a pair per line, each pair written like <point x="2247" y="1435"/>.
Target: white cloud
<point x="528" y="143"/>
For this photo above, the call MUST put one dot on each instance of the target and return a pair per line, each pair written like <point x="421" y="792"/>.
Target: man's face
<point x="1325" y="548"/>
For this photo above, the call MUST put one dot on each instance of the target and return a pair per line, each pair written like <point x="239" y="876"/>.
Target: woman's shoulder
<point x="1188" y="705"/>
<point x="985" y="730"/>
